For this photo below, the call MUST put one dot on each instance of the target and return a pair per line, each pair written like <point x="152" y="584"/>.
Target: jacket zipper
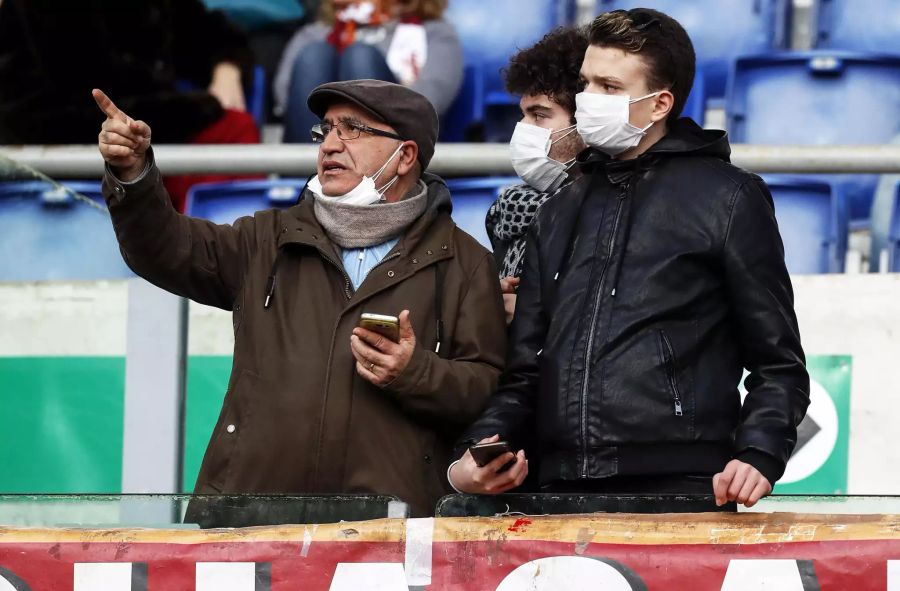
<point x="668" y="355"/>
<point x="347" y="284"/>
<point x="590" y="344"/>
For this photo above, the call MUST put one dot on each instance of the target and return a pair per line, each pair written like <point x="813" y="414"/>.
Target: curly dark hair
<point x="551" y="66"/>
<point x="660" y="40"/>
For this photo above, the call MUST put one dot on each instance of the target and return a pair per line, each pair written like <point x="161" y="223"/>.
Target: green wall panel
<point x="61" y="424"/>
<point x="207" y="380"/>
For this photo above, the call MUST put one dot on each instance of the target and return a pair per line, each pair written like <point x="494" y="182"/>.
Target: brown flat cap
<point x="408" y="112"/>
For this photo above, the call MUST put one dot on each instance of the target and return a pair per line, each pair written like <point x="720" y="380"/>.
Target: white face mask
<point x="364" y="193"/>
<point x="529" y="151"/>
<point x="603" y="121"/>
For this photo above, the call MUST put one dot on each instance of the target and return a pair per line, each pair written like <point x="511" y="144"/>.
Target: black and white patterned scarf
<point x="508" y="220"/>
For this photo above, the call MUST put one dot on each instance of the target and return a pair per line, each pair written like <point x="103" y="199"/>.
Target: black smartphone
<point x="485" y="453"/>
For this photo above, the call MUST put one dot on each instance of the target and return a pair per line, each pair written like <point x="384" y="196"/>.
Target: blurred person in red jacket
<point x="146" y="52"/>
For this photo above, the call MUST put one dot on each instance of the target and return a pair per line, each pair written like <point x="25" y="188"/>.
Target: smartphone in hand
<point x="485" y="453"/>
<point x="386" y="326"/>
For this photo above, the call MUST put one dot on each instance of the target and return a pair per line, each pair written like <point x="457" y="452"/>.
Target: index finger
<point x="108" y="107"/>
<point x="721" y="482"/>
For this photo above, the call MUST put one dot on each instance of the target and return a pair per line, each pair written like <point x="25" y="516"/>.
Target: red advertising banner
<point x="739" y="552"/>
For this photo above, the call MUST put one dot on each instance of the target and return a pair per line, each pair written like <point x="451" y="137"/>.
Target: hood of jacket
<point x="684" y="138"/>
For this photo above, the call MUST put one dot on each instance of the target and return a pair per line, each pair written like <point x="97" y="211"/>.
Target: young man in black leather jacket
<point x="648" y="286"/>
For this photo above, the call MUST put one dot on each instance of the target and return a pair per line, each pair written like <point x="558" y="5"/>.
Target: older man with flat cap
<point x="316" y="403"/>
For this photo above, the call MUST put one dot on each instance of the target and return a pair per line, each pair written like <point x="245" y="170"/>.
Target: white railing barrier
<point x="449" y="160"/>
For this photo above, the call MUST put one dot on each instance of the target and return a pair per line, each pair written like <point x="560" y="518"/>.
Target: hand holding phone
<point x="386" y="326"/>
<point x="476" y="472"/>
<point x="485" y="453"/>
<point x="383" y="347"/>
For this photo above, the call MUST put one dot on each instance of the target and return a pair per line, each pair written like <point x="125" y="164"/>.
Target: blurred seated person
<point x="53" y="53"/>
<point x="401" y="41"/>
<point x="269" y="25"/>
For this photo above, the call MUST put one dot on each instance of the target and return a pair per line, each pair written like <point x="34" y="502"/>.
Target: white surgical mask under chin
<point x="529" y="151"/>
<point x="603" y="121"/>
<point x="365" y="193"/>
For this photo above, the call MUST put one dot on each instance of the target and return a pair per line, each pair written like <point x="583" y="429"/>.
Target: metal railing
<point x="449" y="159"/>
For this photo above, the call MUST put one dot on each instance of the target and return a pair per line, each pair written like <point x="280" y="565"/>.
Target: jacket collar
<point x="427" y="241"/>
<point x="301" y="227"/>
<point x="684" y="138"/>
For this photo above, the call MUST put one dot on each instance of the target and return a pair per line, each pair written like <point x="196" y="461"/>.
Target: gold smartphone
<point x="386" y="326"/>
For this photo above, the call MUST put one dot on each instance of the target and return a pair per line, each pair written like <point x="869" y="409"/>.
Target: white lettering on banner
<point x="572" y="573"/>
<point x="9" y="581"/>
<point x="371" y="576"/>
<point x="419" y="538"/>
<point x="893" y="575"/>
<point x="104" y="576"/>
<point x="763" y="575"/>
<point x="226" y="576"/>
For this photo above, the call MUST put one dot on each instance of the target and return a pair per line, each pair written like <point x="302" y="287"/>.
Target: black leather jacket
<point x="648" y="287"/>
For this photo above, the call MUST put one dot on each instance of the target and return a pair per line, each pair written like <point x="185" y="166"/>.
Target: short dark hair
<point x="551" y="66"/>
<point x="660" y="40"/>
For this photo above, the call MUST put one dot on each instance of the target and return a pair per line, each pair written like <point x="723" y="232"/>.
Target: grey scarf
<point x="361" y="226"/>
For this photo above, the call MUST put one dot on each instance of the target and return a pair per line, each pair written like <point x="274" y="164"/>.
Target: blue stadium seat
<point x="859" y="25"/>
<point x="226" y="201"/>
<point x="695" y="107"/>
<point x="818" y="98"/>
<point x="894" y="235"/>
<point x="48" y="234"/>
<point x="490" y="33"/>
<point x="812" y="218"/>
<point x="256" y="96"/>
<point x="467" y="111"/>
<point x="471" y="199"/>
<point x="721" y="30"/>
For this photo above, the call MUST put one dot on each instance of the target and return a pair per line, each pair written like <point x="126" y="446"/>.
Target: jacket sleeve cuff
<point x="453" y="486"/>
<point x="767" y="465"/>
<point x="409" y="379"/>
<point x="117" y="189"/>
<point x="462" y="445"/>
<point x="135" y="181"/>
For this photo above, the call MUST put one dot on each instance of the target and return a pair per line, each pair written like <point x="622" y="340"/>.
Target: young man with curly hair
<point x="543" y="146"/>
<point x="648" y="286"/>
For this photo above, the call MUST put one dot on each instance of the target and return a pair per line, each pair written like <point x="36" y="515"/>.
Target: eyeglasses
<point x="346" y="130"/>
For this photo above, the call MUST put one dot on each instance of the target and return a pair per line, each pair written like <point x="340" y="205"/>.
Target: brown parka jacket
<point x="297" y="418"/>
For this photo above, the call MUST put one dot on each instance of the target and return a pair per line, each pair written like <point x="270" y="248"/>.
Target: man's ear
<point x="665" y="100"/>
<point x="409" y="155"/>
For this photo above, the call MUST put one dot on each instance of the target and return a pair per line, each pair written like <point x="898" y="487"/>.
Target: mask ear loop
<point x="571" y="129"/>
<point x="383" y="166"/>
<point x="387" y="187"/>
<point x="391" y="182"/>
<point x="632" y="101"/>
